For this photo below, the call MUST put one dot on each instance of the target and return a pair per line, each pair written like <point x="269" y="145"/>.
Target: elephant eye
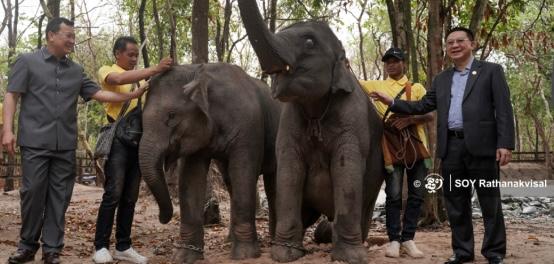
<point x="309" y="43"/>
<point x="170" y="117"/>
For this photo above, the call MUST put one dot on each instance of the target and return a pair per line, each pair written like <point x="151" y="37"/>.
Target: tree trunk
<point x="100" y="178"/>
<point x="54" y="8"/>
<point x="72" y="10"/>
<point x="477" y="16"/>
<point x="400" y="17"/>
<point x="272" y="27"/>
<point x="173" y="38"/>
<point x="411" y="56"/>
<point x="13" y="19"/>
<point x="391" y="10"/>
<point x="159" y="30"/>
<point x="222" y="38"/>
<point x="518" y="134"/>
<point x="433" y="211"/>
<point x="5" y="19"/>
<point x="361" y="37"/>
<point x="142" y="33"/>
<point x="200" y="31"/>
<point x="39" y="31"/>
<point x="272" y="16"/>
<point x="10" y="174"/>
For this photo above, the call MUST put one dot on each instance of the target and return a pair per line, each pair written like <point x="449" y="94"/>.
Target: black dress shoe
<point x="51" y="258"/>
<point x="21" y="256"/>
<point x="458" y="259"/>
<point x="496" y="260"/>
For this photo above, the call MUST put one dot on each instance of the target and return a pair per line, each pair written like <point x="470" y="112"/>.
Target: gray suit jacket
<point x="486" y="108"/>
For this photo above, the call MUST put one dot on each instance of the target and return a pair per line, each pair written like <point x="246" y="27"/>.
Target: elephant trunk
<point x="269" y="48"/>
<point x="151" y="159"/>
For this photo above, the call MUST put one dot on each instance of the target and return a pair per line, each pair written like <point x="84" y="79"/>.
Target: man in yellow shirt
<point x="392" y="86"/>
<point x="121" y="169"/>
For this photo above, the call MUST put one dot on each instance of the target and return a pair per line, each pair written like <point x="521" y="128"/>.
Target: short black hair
<point x="54" y="24"/>
<point x="121" y="43"/>
<point x="468" y="32"/>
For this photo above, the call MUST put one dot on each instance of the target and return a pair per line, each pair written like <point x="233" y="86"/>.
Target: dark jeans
<point x="459" y="165"/>
<point x="120" y="191"/>
<point x="46" y="186"/>
<point x="393" y="205"/>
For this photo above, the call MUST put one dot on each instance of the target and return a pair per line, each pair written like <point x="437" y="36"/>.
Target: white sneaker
<point x="393" y="250"/>
<point x="411" y="249"/>
<point x="130" y="255"/>
<point x="102" y="256"/>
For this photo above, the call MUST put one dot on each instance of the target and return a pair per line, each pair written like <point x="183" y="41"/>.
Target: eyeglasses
<point x="451" y="42"/>
<point x="67" y="35"/>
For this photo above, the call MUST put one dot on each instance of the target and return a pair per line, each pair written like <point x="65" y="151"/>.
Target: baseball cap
<point x="393" y="52"/>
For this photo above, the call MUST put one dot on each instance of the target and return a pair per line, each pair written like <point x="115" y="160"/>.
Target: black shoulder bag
<point x="129" y="129"/>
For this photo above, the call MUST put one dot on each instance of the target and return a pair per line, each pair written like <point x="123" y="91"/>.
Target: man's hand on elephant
<point x="164" y="65"/>
<point x="401" y="123"/>
<point x="503" y="156"/>
<point x="381" y="97"/>
<point x="139" y="91"/>
<point x="145" y="86"/>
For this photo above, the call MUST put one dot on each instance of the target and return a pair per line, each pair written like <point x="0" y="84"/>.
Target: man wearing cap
<point x="475" y="134"/>
<point x="396" y="83"/>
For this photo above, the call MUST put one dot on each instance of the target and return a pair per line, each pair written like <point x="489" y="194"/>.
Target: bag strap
<point x="407" y="89"/>
<point x="125" y="106"/>
<point x="396" y="97"/>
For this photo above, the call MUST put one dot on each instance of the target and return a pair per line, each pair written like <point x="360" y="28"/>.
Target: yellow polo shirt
<point x="392" y="87"/>
<point x="113" y="109"/>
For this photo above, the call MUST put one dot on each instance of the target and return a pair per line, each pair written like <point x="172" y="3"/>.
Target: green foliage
<point x="522" y="41"/>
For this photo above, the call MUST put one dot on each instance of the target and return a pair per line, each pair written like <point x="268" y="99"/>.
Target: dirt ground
<point x="529" y="240"/>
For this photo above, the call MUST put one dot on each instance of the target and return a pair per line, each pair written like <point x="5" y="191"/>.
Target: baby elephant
<point x="196" y="113"/>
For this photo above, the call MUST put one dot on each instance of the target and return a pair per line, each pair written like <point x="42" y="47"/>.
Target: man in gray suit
<point x="475" y="134"/>
<point x="49" y="84"/>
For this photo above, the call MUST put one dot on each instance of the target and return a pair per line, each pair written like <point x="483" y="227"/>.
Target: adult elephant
<point x="329" y="158"/>
<point x="196" y="113"/>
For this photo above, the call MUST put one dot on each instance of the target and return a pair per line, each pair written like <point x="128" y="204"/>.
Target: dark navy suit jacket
<point x="486" y="108"/>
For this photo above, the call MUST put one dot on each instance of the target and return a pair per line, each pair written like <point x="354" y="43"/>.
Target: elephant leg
<point x="291" y="174"/>
<point x="347" y="172"/>
<point x="192" y="194"/>
<point x="222" y="167"/>
<point x="243" y="174"/>
<point x="372" y="190"/>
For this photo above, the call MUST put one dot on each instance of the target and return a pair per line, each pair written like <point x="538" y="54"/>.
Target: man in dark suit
<point x="475" y="134"/>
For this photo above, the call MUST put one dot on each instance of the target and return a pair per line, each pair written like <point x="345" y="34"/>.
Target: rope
<point x="406" y="138"/>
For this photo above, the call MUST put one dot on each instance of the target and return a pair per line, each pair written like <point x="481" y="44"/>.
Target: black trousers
<point x="393" y="205"/>
<point x="460" y="165"/>
<point x="47" y="183"/>
<point x="120" y="192"/>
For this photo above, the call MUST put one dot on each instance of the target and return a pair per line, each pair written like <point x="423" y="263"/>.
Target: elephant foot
<point x="281" y="253"/>
<point x="245" y="250"/>
<point x="186" y="256"/>
<point x="353" y="254"/>
<point x="323" y="232"/>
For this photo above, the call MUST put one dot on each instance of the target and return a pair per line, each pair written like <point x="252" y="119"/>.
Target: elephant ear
<point x="196" y="92"/>
<point x="342" y="78"/>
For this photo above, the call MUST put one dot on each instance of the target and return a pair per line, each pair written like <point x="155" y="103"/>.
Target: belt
<point x="456" y="133"/>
